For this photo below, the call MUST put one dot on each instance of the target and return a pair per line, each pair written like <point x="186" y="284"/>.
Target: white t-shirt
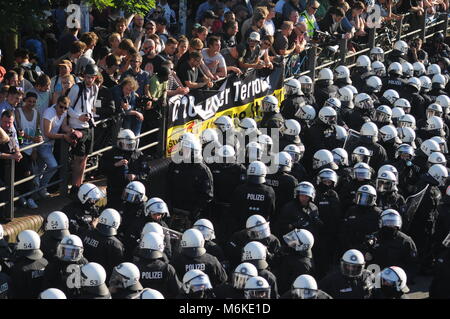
<point x="208" y="59"/>
<point x="269" y="26"/>
<point x="50" y="114"/>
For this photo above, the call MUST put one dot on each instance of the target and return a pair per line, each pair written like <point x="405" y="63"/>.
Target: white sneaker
<point x="31" y="203"/>
<point x="44" y="194"/>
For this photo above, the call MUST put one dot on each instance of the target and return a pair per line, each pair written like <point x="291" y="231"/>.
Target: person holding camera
<point x="126" y="99"/>
<point x="82" y="97"/>
<point x="416" y="53"/>
<point x="54" y="121"/>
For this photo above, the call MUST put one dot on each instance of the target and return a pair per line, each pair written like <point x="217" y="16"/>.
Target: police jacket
<point x="5" y="286"/>
<point x="227" y="291"/>
<point x="339" y="286"/>
<point x="64" y="275"/>
<point x="206" y="263"/>
<point x="392" y="200"/>
<point x="250" y="199"/>
<point x="408" y="176"/>
<point x="27" y="277"/>
<point x="50" y="241"/>
<point x="80" y="216"/>
<point x="291" y="265"/>
<point x="320" y="295"/>
<point x="328" y="204"/>
<point x="106" y="250"/>
<point x="358" y="117"/>
<point x="98" y="292"/>
<point x="323" y="90"/>
<point x="127" y="293"/>
<point x="227" y="177"/>
<point x="440" y="285"/>
<point x="283" y="184"/>
<point x="290" y="106"/>
<point x="271" y="120"/>
<point x="294" y="215"/>
<point x="190" y="186"/>
<point x="359" y="222"/>
<point x="160" y="275"/>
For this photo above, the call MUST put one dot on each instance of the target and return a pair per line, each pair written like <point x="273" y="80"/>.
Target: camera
<point x="141" y="102"/>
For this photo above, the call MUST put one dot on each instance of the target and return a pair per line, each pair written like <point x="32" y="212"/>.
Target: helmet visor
<point x="199" y="284"/>
<point x="377" y="57"/>
<point x="307" y="87"/>
<point x="116" y="280"/>
<point x="291" y="239"/>
<point x="69" y="252"/>
<point x="364" y="199"/>
<point x="351" y="270"/>
<point x="94" y="195"/>
<point x="257" y="293"/>
<point x="304" y="293"/>
<point x="132" y="196"/>
<point x="239" y="280"/>
<point x="127" y="144"/>
<point x="384" y="185"/>
<point x="390" y="222"/>
<point x="360" y="158"/>
<point x="259" y="231"/>
<point x="366" y="104"/>
<point x="208" y="234"/>
<point x="361" y="173"/>
<point x="381" y="116"/>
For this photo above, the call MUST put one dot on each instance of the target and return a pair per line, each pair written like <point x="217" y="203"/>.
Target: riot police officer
<point x="399" y="53"/>
<point x="93" y="278"/>
<point x="342" y="76"/>
<point x="124" y="282"/>
<point x="64" y="270"/>
<point x="324" y="88"/>
<point x="362" y="113"/>
<point x="389" y="140"/>
<point x="235" y="289"/>
<point x="196" y="285"/>
<point x="361" y="72"/>
<point x="392" y="284"/>
<point x="293" y="99"/>
<point x="351" y="281"/>
<point x="253" y="197"/>
<point x="156" y="273"/>
<point x="101" y="244"/>
<point x="193" y="256"/>
<point x="229" y="136"/>
<point x="56" y="227"/>
<point x="27" y="274"/>
<point x="272" y="118"/>
<point x="85" y="210"/>
<point x="307" y="89"/>
<point x="388" y="196"/>
<point x="207" y="229"/>
<point x="305" y="287"/>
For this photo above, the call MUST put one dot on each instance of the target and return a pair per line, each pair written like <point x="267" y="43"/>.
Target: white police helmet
<point x="193" y="243"/>
<point x="366" y="195"/>
<point x="256" y="172"/>
<point x="148" y="293"/>
<point x="323" y="157"/>
<point x="390" y="218"/>
<point x="306" y="84"/>
<point x="379" y="69"/>
<point x="89" y="193"/>
<point x="305" y="287"/>
<point x="126" y="140"/>
<point x="307" y="189"/>
<point x="374" y="82"/>
<point x="407" y="120"/>
<point x="125" y="276"/>
<point x="328" y="115"/>
<point x="52" y="293"/>
<point x="345" y="94"/>
<point x="295" y="152"/>
<point x="442" y="143"/>
<point x="395" y="68"/>
<point x="444" y="101"/>
<point x="425" y="82"/>
<point x="306" y="113"/>
<point x="388" y="133"/>
<point x="196" y="280"/>
<point x="391" y="95"/>
<point x="256" y="253"/>
<point x="242" y="274"/>
<point x="341" y="133"/>
<point x="370" y="130"/>
<point x="407" y="135"/>
<point x="224" y="123"/>
<point x="419" y="69"/>
<point x="156" y="205"/>
<point x="58" y="223"/>
<point x="439" y="173"/>
<point x="404" y="104"/>
<point x="439" y="81"/>
<point x="377" y="54"/>
<point x="151" y="246"/>
<point x="433" y="69"/>
<point x="254" y="151"/>
<point x="429" y="146"/>
<point x="206" y="228"/>
<point x="407" y="69"/>
<point x="29" y="244"/>
<point x="257" y="227"/>
<point x="435" y="123"/>
<point x="293" y="87"/>
<point x="257" y="288"/>
<point x="134" y="192"/>
<point x="93" y="275"/>
<point x="209" y="135"/>
<point x="342" y="72"/>
<point x="415" y="82"/>
<point x="299" y="239"/>
<point x="401" y="46"/>
<point x="361" y="171"/>
<point x="249" y="126"/>
<point x="351" y="87"/>
<point x="270" y="104"/>
<point x="386" y="182"/>
<point x="291" y="127"/>
<point x="266" y="143"/>
<point x="283" y="161"/>
<point x="434" y="109"/>
<point x="388" y="168"/>
<point x="108" y="222"/>
<point x="394" y="277"/>
<point x="326" y="74"/>
<point x="364" y="101"/>
<point x="361" y="155"/>
<point x="152" y="227"/>
<point x="340" y="156"/>
<point x="352" y="263"/>
<point x="383" y="114"/>
<point x="363" y="61"/>
<point x="70" y="248"/>
<point x="327" y="175"/>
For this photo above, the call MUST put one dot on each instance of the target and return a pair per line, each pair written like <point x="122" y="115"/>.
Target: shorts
<point x="84" y="144"/>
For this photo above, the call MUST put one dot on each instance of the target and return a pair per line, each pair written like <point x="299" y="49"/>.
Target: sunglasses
<point x="62" y="107"/>
<point x="315" y="8"/>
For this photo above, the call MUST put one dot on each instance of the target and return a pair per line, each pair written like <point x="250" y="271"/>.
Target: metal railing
<point x="63" y="168"/>
<point x="344" y="56"/>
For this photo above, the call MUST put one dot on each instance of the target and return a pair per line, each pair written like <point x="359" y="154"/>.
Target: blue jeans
<point x="46" y="158"/>
<point x="131" y="122"/>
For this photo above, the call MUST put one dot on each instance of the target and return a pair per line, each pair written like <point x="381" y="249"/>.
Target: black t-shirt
<point x="246" y="55"/>
<point x="158" y="60"/>
<point x="280" y="42"/>
<point x="146" y="60"/>
<point x="186" y="73"/>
